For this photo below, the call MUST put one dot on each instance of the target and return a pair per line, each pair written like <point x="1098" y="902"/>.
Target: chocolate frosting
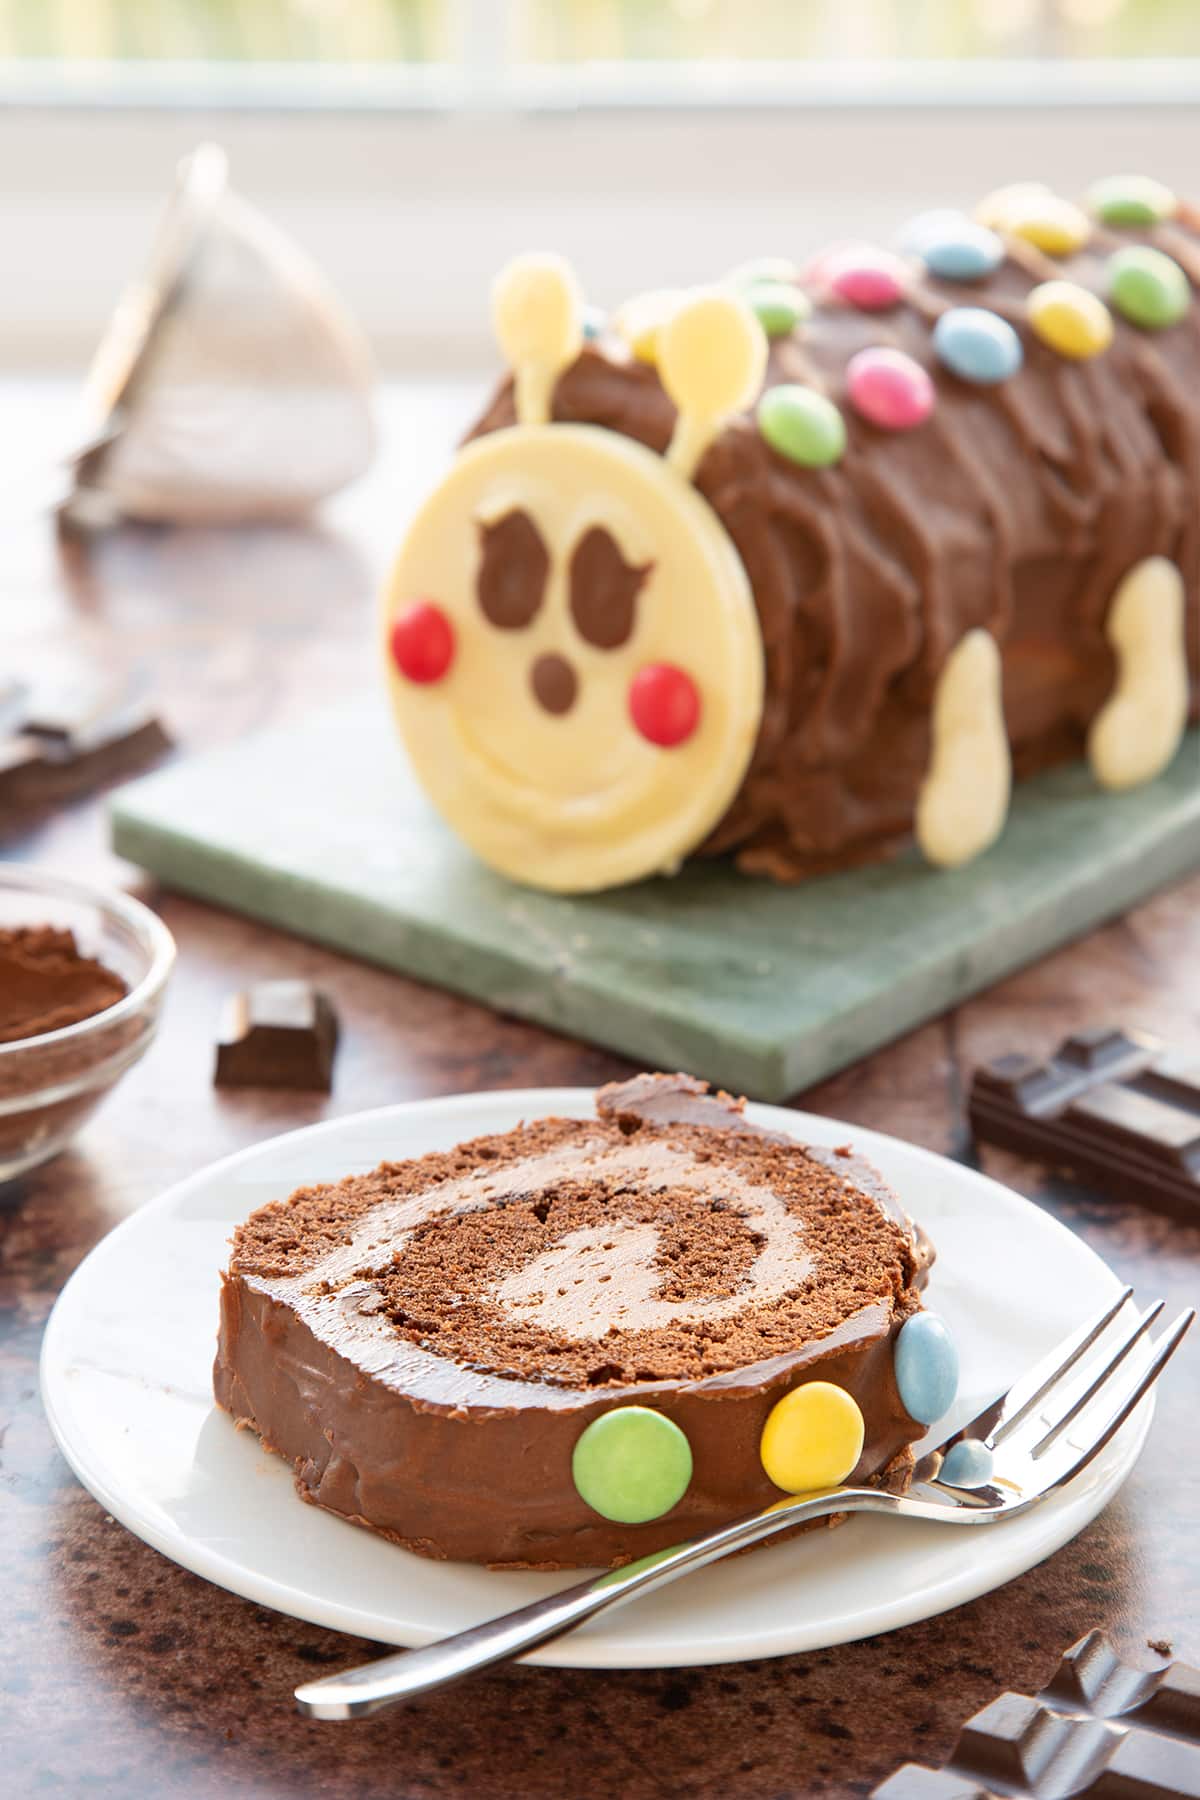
<point x="456" y="1460"/>
<point x="1016" y="507"/>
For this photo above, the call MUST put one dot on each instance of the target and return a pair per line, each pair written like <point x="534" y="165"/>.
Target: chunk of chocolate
<point x="14" y="696"/>
<point x="20" y="755"/>
<point x="1099" y="1730"/>
<point x="277" y="1034"/>
<point x="1116" y="1109"/>
<point x="75" y="727"/>
<point x="52" y="750"/>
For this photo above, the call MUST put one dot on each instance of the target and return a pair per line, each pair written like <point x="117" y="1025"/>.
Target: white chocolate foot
<point x="963" y="801"/>
<point x="1137" y="730"/>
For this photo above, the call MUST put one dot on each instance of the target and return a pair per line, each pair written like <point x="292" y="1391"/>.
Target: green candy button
<point x="1148" y="288"/>
<point x="778" y="306"/>
<point x="631" y="1464"/>
<point x="802" y="425"/>
<point x="1132" y="200"/>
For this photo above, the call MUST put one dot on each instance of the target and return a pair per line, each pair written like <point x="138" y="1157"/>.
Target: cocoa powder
<point x="46" y="984"/>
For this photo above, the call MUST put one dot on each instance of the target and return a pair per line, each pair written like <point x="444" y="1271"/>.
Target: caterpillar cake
<point x="816" y="561"/>
<point x="584" y="1340"/>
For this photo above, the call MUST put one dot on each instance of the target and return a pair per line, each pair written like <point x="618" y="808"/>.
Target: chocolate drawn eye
<point x="604" y="590"/>
<point x="513" y="567"/>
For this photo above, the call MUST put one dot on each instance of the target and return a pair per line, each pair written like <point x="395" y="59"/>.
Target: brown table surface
<point x="122" y="1674"/>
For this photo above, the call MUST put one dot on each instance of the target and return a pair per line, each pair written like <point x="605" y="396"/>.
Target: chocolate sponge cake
<point x="817" y="559"/>
<point x="563" y="1346"/>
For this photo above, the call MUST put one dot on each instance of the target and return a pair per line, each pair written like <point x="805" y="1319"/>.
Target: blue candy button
<point x="926" y="1367"/>
<point x="953" y="246"/>
<point x="967" y="1464"/>
<point x="928" y="227"/>
<point x="977" y="345"/>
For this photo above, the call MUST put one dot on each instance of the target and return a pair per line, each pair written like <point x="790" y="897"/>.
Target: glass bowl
<point x="50" y="1084"/>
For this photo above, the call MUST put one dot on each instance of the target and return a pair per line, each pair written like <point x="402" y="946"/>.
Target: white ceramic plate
<point x="126" y="1383"/>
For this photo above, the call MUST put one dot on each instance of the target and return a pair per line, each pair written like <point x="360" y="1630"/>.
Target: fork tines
<point x="1124" y="1394"/>
<point x="1074" y="1401"/>
<point x="1025" y="1394"/>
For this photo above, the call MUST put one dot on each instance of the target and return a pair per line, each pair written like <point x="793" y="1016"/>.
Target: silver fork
<point x="1041" y="1433"/>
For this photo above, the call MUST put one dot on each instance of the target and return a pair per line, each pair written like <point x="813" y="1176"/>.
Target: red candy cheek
<point x="422" y="642"/>
<point x="664" y="704"/>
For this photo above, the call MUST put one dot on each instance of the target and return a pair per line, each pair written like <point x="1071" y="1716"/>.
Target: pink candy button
<point x="815" y="273"/>
<point x="889" y="389"/>
<point x="870" y="279"/>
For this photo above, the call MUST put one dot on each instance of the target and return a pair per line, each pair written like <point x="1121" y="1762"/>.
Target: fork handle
<point x="407" y="1673"/>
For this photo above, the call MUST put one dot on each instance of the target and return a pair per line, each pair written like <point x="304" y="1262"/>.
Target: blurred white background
<point x="412" y="145"/>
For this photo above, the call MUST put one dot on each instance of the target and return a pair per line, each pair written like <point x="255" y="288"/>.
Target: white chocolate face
<point x="575" y="799"/>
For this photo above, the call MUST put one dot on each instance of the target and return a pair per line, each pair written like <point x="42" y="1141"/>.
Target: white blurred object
<point x="231" y="383"/>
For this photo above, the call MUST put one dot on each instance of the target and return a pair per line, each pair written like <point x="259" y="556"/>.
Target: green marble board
<point x="320" y="829"/>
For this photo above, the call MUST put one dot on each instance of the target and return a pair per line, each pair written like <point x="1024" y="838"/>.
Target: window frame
<point x="411" y="187"/>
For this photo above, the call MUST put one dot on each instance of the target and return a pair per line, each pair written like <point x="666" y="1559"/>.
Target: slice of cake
<point x="583" y="1340"/>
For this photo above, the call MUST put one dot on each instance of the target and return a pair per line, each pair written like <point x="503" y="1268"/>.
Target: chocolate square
<point x="1101" y="1729"/>
<point x="1115" y="1109"/>
<point x="279" y="1034"/>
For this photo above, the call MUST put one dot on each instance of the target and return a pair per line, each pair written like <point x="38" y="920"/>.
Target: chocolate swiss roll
<point x="585" y="1339"/>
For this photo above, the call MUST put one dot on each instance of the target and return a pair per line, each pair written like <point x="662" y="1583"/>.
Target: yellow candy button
<point x="1030" y="211"/>
<point x="641" y="320"/>
<point x="1056" y="226"/>
<point x="812" y="1438"/>
<point x="998" y="207"/>
<point x="1070" y="319"/>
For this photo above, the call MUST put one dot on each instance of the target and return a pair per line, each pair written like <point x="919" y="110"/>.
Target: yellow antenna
<point x="537" y="314"/>
<point x="712" y="354"/>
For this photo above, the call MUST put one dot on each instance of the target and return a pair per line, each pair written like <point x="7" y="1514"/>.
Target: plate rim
<point x="585" y="1650"/>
